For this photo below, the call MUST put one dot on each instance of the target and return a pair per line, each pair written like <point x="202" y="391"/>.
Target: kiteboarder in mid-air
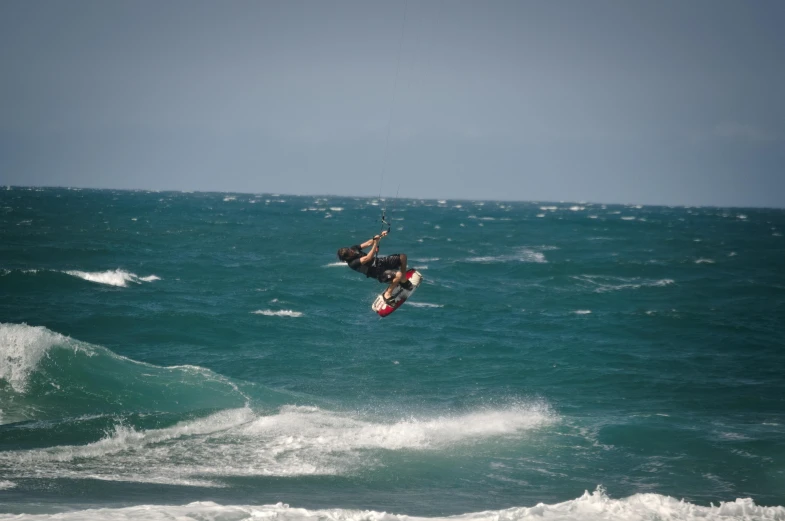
<point x="384" y="269"/>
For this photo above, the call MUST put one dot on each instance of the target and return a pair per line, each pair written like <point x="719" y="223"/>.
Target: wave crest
<point x="92" y="379"/>
<point x="117" y="277"/>
<point x="21" y="349"/>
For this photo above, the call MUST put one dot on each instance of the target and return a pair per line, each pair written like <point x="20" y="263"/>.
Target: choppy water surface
<point x="206" y="356"/>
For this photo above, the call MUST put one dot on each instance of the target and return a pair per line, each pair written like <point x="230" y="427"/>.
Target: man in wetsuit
<point x="384" y="269"/>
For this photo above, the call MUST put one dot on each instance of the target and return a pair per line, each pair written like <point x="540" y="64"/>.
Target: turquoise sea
<point x="168" y="355"/>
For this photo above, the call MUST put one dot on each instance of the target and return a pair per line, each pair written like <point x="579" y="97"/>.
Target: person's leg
<point x="399" y="275"/>
<point x="395" y="281"/>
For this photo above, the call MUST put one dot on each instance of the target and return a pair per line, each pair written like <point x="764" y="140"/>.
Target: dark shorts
<point x="388" y="266"/>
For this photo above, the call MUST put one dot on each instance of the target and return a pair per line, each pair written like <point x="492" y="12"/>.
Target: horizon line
<point x="376" y="197"/>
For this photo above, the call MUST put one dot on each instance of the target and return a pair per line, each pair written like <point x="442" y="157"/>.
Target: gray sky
<point x="655" y="102"/>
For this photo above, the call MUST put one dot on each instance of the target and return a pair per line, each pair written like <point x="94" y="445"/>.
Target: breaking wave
<point x="187" y="425"/>
<point x="43" y="373"/>
<point x="117" y="277"/>
<point x="293" y="441"/>
<point x="595" y="506"/>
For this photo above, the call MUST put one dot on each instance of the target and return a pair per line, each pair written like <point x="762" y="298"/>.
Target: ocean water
<point x="205" y="356"/>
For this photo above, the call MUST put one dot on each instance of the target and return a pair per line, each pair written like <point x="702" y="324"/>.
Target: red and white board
<point x="399" y="295"/>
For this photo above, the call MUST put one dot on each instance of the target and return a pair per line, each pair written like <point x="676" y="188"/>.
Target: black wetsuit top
<point x="381" y="268"/>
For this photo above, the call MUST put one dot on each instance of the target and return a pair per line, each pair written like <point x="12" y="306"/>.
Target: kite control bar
<point x="384" y="221"/>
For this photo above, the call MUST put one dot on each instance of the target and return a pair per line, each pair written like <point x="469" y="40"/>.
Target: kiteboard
<point x="399" y="295"/>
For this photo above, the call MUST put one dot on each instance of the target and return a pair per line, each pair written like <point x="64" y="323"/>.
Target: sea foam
<point x="294" y="441"/>
<point x="595" y="506"/>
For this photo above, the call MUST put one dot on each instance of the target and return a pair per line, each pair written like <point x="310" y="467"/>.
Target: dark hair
<point x="347" y="254"/>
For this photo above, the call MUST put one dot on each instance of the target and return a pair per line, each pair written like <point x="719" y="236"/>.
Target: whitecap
<point x="582" y="311"/>
<point x="704" y="261"/>
<point x="279" y="313"/>
<point x="486" y="259"/>
<point x="425" y="305"/>
<point x="521" y="255"/>
<point x="117" y="277"/>
<point x="604" y="284"/>
<point x="733" y="436"/>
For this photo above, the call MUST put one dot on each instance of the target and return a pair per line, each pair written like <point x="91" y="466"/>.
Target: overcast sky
<point x="653" y="102"/>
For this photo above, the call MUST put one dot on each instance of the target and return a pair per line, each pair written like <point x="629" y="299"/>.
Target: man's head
<point x="347" y="254"/>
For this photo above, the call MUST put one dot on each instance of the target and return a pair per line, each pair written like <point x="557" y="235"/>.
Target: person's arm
<point x="374" y="243"/>
<point x="370" y="241"/>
